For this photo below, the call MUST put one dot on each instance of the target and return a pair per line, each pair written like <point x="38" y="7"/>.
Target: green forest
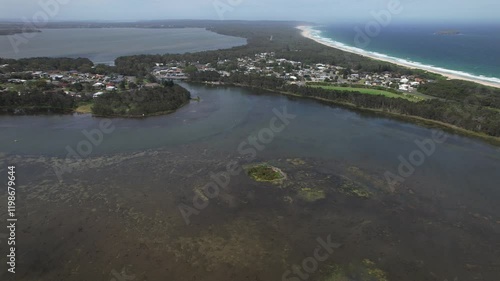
<point x="142" y="102"/>
<point x="46" y="64"/>
<point x="36" y="101"/>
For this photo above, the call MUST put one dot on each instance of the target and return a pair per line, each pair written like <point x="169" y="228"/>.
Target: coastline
<point x="306" y="31"/>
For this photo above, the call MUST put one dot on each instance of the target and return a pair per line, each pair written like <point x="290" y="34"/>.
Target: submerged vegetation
<point x="311" y="194"/>
<point x="296" y="161"/>
<point x="351" y="188"/>
<point x="365" y="271"/>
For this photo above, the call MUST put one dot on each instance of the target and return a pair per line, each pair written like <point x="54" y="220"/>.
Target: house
<point x="404" y="87"/>
<point x="97" y="94"/>
<point x="16" y="81"/>
<point x="56" y="77"/>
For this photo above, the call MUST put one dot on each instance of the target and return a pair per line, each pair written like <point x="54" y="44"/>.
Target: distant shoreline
<point x="6" y="32"/>
<point x="306" y="31"/>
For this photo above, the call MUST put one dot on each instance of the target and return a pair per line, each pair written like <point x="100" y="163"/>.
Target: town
<point x="292" y="71"/>
<point x="85" y="85"/>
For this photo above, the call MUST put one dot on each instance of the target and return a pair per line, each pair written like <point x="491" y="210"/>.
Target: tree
<point x="190" y="69"/>
<point x="77" y="87"/>
<point x="122" y="85"/>
<point x="41" y="84"/>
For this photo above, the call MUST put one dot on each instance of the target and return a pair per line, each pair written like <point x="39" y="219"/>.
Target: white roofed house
<point x="56" y="77"/>
<point x="97" y="94"/>
<point x="404" y="87"/>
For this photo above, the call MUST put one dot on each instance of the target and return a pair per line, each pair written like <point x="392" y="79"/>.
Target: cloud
<point x="311" y="10"/>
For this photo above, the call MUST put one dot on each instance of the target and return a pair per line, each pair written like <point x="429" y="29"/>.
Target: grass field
<point x="84" y="108"/>
<point x="369" y="91"/>
<point x="13" y="87"/>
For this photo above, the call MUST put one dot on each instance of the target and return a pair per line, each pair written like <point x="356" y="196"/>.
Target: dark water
<point x="118" y="208"/>
<point x="474" y="52"/>
<point x="104" y="45"/>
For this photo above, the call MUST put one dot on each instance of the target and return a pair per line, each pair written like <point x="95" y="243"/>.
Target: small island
<point x="265" y="173"/>
<point x="448" y="32"/>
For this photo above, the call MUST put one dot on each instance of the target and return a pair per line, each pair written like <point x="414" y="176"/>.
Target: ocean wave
<point x="318" y="35"/>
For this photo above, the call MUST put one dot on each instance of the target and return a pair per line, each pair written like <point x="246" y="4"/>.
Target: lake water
<point x="118" y="208"/>
<point x="104" y="45"/>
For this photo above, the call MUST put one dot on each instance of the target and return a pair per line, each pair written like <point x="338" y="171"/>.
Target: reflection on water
<point x="118" y="208"/>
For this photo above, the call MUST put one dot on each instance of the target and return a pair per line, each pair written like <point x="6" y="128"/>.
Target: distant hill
<point x="448" y="32"/>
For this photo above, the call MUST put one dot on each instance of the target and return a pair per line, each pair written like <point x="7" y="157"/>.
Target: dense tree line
<point x="463" y="91"/>
<point x="141" y="102"/>
<point x="36" y="101"/>
<point x="46" y="64"/>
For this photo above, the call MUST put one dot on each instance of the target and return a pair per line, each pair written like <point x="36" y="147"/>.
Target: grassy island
<point x="265" y="173"/>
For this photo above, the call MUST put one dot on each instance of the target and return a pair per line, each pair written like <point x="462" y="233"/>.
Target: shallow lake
<point x="118" y="208"/>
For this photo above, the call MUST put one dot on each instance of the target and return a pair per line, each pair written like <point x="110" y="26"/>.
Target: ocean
<point x="474" y="52"/>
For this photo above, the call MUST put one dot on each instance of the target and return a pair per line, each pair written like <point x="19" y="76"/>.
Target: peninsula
<point x="278" y="58"/>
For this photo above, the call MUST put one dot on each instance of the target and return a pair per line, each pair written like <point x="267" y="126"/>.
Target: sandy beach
<point x="307" y="31"/>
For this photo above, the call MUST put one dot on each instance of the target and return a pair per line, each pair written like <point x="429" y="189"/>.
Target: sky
<point x="320" y="11"/>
